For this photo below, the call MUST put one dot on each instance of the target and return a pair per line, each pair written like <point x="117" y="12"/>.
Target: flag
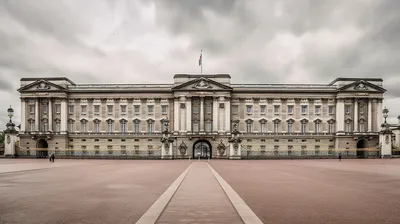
<point x="201" y="58"/>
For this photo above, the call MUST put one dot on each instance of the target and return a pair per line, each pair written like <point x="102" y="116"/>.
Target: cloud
<point x="147" y="41"/>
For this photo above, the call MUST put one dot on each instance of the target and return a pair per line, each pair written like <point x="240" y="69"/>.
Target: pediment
<point x="202" y="84"/>
<point x="361" y="86"/>
<point x="42" y="86"/>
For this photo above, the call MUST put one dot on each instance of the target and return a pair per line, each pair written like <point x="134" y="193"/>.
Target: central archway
<point x="202" y="149"/>
<point x="42" y="146"/>
<point x="361" y="145"/>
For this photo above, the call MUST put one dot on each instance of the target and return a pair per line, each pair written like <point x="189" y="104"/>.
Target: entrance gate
<point x="202" y="149"/>
<point x="41" y="151"/>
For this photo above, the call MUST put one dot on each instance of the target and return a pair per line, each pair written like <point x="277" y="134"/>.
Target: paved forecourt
<point x="82" y="191"/>
<point x="317" y="191"/>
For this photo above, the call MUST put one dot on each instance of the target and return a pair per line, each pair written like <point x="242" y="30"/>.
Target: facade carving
<point x="58" y="114"/>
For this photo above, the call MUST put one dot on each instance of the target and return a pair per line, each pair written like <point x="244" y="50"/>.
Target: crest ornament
<point x="182" y="148"/>
<point x="202" y="85"/>
<point x="8" y="139"/>
<point x="221" y="148"/>
<point x="235" y="148"/>
<point x="361" y="86"/>
<point x="43" y="86"/>
<point x="387" y="140"/>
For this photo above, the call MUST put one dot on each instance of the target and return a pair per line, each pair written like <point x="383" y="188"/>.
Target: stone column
<point x="50" y="115"/>
<point x="379" y="114"/>
<point x="201" y="114"/>
<point x="340" y="115"/>
<point x="355" y="115"/>
<point x="23" y="115"/>
<point x="176" y="114"/>
<point x="64" y="116"/>
<point x="188" y="114"/>
<point x="37" y="115"/>
<point x="215" y="114"/>
<point x="369" y="115"/>
<point x="227" y="114"/>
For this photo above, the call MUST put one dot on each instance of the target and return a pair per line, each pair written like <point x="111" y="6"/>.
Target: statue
<point x="202" y="85"/>
<point x="361" y="86"/>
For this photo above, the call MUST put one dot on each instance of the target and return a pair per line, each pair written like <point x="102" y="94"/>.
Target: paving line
<point x="241" y="207"/>
<point x="152" y="214"/>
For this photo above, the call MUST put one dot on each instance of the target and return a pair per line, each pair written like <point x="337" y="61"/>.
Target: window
<point x="96" y="140"/>
<point x="45" y="125"/>
<point x="263" y="109"/>
<point x="208" y="127"/>
<point x="32" y="125"/>
<point x="58" y="108"/>
<point x="348" y="125"/>
<point x="249" y="126"/>
<point x="276" y="140"/>
<point x="276" y="109"/>
<point x="331" y="109"/>
<point x="290" y="109"/>
<point x="96" y="109"/>
<point x="196" y="127"/>
<point x="83" y="109"/>
<point x="303" y="127"/>
<point x="317" y="109"/>
<point x="96" y="147"/>
<point x="71" y="126"/>
<point x="123" y="109"/>
<point x="235" y="109"/>
<point x="303" y="109"/>
<point x="361" y="109"/>
<point x="150" y="109"/>
<point x="97" y="126"/>
<point x="58" y="125"/>
<point x="137" y="126"/>
<point x="290" y="140"/>
<point x="249" y="109"/>
<point x="276" y="126"/>
<point x="123" y="126"/>
<point x="262" y="126"/>
<point x="290" y="126"/>
<point x="208" y="109"/>
<point x="331" y="127"/>
<point x="45" y="108"/>
<point x="262" y="148"/>
<point x="317" y="127"/>
<point x="71" y="109"/>
<point x="162" y="125"/>
<point x="150" y="124"/>
<point x="136" y="109"/>
<point x="164" y="109"/>
<point x="83" y="147"/>
<point x="348" y="109"/>
<point x="110" y="109"/>
<point x="32" y="109"/>
<point x="110" y="126"/>
<point x="362" y="125"/>
<point x="83" y="126"/>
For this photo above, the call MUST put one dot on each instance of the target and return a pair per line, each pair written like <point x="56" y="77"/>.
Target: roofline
<point x="355" y="79"/>
<point x="48" y="78"/>
<point x="201" y="75"/>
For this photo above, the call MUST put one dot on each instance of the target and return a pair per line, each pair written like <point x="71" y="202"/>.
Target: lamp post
<point x="385" y="125"/>
<point x="10" y="125"/>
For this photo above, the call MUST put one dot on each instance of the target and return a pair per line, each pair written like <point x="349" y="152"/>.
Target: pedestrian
<point x="52" y="157"/>
<point x="340" y="156"/>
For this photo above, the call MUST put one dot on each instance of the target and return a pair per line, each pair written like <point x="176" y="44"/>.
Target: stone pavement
<point x="200" y="199"/>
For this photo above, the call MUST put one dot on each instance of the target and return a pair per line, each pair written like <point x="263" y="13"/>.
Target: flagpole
<point x="201" y="61"/>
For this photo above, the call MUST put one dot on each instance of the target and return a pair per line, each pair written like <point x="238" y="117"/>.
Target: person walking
<point x="52" y="157"/>
<point x="340" y="156"/>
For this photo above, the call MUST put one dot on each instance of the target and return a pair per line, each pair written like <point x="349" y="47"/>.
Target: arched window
<point x="123" y="126"/>
<point x="58" y="125"/>
<point x="249" y="126"/>
<point x="348" y="125"/>
<point x="31" y="124"/>
<point x="96" y="125"/>
<point x="150" y="126"/>
<point x="83" y="125"/>
<point x="276" y="125"/>
<point x="110" y="126"/>
<point x="136" y="124"/>
<point x="263" y="126"/>
<point x="290" y="126"/>
<point x="331" y="126"/>
<point x="362" y="125"/>
<point x="304" y="124"/>
<point x="71" y="125"/>
<point x="45" y="125"/>
<point x="317" y="126"/>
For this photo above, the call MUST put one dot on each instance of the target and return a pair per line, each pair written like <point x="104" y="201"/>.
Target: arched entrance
<point x="202" y="149"/>
<point x="361" y="145"/>
<point x="42" y="146"/>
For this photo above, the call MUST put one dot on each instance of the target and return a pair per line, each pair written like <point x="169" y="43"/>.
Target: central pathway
<point x="200" y="199"/>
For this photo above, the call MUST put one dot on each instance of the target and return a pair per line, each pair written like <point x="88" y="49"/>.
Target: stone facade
<point x="128" y="119"/>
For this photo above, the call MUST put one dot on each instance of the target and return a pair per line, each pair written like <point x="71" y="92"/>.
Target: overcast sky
<point x="145" y="41"/>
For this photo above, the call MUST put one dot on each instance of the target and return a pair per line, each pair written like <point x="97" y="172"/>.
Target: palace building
<point x="200" y="116"/>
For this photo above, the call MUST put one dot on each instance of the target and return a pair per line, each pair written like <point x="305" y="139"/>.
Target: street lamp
<point x="10" y="113"/>
<point x="385" y="113"/>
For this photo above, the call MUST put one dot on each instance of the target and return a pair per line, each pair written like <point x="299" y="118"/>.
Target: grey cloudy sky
<point x="147" y="41"/>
